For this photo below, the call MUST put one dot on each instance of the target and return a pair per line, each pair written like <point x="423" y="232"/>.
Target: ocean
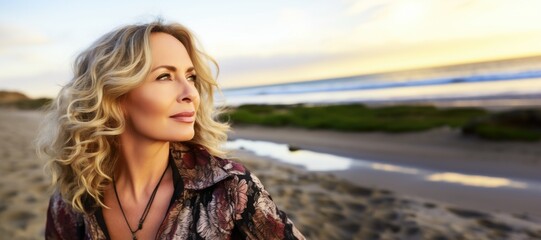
<point x="514" y="82"/>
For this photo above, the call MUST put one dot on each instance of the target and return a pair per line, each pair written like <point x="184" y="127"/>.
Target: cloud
<point x="252" y="64"/>
<point x="404" y="22"/>
<point x="25" y="53"/>
<point x="16" y="36"/>
<point x="368" y="9"/>
<point x="312" y="67"/>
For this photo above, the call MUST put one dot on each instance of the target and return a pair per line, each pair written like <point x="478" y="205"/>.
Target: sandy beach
<point x="323" y="205"/>
<point x="23" y="186"/>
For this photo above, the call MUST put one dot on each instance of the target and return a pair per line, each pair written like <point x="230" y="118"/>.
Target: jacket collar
<point x="198" y="168"/>
<point x="193" y="168"/>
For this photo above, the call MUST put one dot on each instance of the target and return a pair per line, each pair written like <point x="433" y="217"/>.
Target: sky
<point x="267" y="42"/>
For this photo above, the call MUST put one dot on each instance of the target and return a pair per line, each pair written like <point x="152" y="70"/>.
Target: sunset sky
<point x="265" y="42"/>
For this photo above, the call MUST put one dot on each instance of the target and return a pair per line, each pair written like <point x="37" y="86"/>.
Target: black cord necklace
<point x="147" y="208"/>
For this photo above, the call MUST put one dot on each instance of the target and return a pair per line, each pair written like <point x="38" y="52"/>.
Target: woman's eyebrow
<point x="171" y="68"/>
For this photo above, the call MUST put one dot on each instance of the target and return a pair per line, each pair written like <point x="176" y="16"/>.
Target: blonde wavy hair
<point x="79" y="135"/>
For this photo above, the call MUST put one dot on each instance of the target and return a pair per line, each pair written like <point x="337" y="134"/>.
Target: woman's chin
<point x="185" y="136"/>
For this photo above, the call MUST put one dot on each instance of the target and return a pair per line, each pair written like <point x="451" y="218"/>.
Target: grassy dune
<point x="523" y="125"/>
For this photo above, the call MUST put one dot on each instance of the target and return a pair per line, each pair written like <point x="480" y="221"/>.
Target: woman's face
<point x="167" y="90"/>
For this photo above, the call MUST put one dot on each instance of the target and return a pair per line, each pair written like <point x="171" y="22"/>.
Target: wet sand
<point x="482" y="192"/>
<point x="439" y="149"/>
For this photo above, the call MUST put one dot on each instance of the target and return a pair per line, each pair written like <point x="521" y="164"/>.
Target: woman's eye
<point x="192" y="77"/>
<point x="165" y="76"/>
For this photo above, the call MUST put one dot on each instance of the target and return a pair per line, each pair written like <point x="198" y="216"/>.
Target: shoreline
<point x="503" y="96"/>
<point x="438" y="149"/>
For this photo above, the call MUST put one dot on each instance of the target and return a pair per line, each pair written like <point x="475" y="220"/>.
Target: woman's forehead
<point x="167" y="50"/>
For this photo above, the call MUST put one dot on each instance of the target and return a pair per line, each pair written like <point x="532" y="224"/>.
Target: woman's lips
<point x="186" y="117"/>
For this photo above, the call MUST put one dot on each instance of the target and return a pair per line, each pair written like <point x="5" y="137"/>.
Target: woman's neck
<point x="140" y="166"/>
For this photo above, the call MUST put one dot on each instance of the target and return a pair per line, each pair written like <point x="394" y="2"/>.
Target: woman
<point x="133" y="148"/>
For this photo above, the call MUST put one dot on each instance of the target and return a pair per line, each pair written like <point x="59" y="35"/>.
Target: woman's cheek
<point x="149" y="104"/>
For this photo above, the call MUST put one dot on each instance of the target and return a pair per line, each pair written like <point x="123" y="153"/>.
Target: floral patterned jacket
<point x="213" y="198"/>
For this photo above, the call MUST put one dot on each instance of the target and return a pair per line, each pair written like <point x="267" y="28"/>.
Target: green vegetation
<point x="27" y="104"/>
<point x="523" y="124"/>
<point x="18" y="100"/>
<point x="394" y="119"/>
<point x="519" y="125"/>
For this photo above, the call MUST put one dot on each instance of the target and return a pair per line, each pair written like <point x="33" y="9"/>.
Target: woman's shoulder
<point x="200" y="169"/>
<point x="238" y="197"/>
<point x="62" y="219"/>
<point x="60" y="208"/>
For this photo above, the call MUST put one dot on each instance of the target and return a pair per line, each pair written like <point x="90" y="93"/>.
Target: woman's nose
<point x="188" y="91"/>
